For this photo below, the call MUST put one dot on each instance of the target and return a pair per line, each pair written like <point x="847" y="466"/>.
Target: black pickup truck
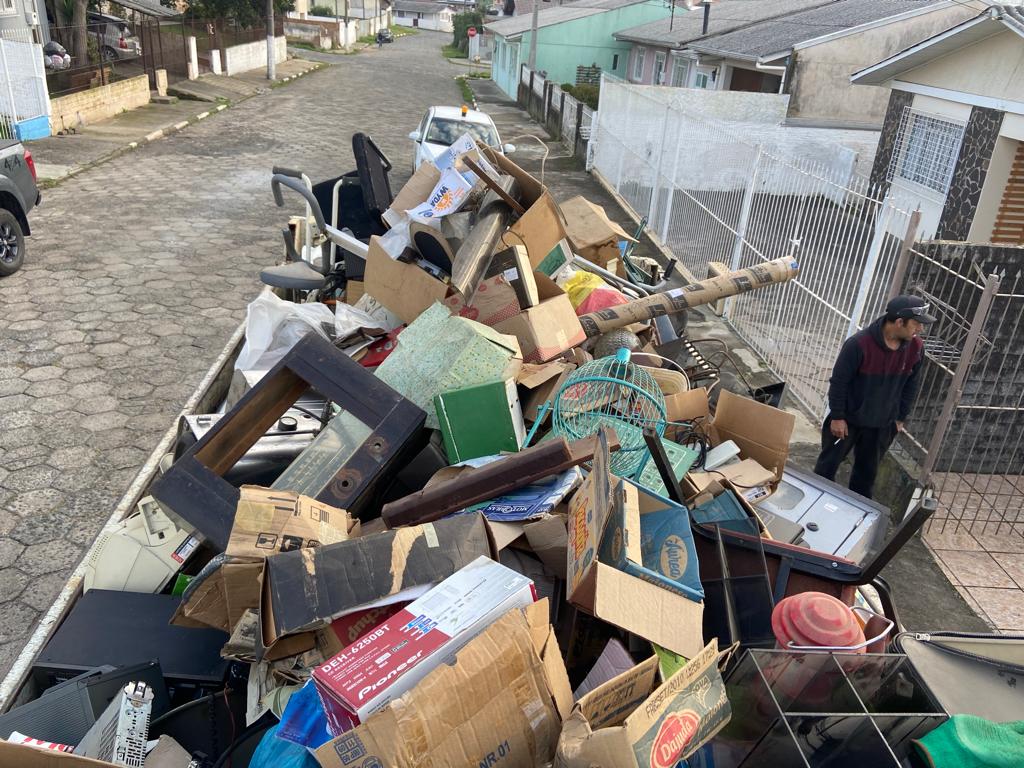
<point x="18" y="196"/>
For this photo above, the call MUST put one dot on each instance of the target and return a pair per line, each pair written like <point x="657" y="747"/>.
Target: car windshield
<point x="447" y="132"/>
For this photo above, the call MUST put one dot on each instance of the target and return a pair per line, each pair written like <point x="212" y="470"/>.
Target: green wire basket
<point x="611" y="392"/>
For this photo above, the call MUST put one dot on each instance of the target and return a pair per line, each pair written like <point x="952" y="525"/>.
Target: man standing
<point x="872" y="389"/>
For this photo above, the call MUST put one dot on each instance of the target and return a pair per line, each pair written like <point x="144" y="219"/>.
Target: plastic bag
<point x="273" y="326"/>
<point x="275" y="752"/>
<point x="589" y="293"/>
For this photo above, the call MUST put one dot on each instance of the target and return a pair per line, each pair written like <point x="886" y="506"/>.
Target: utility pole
<point x="270" y="40"/>
<point x="532" y="61"/>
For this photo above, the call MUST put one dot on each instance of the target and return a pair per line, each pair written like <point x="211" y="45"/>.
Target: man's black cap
<point x="909" y="308"/>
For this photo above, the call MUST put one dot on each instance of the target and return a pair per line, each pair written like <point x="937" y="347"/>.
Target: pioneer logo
<point x="676" y="731"/>
<point x="367" y="690"/>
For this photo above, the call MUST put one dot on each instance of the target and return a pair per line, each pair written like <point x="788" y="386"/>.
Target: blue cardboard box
<point x="664" y="554"/>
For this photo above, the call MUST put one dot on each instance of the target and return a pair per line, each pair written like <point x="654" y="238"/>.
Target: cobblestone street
<point x="137" y="273"/>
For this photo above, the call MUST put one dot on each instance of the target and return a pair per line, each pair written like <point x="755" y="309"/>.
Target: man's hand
<point x="899" y="426"/>
<point x="839" y="429"/>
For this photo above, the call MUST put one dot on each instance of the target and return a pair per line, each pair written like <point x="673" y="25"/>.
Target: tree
<point x="246" y="13"/>
<point x="79" y="38"/>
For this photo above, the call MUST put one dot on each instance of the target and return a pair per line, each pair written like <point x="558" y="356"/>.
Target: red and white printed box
<point x="391" y="659"/>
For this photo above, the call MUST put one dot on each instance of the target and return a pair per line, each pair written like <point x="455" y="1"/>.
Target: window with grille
<point x="7" y="7"/>
<point x="926" y="150"/>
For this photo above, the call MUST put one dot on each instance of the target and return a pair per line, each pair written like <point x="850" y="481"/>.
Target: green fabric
<point x="965" y="741"/>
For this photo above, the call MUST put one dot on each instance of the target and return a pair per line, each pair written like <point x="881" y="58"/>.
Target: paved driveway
<point x="137" y="274"/>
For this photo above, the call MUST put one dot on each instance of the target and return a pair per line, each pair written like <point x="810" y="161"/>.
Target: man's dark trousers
<point x="868" y="444"/>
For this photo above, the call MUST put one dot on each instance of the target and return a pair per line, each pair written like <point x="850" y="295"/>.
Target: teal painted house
<point x="570" y="35"/>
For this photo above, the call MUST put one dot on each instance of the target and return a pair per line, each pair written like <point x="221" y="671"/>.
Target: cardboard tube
<point x="692" y="295"/>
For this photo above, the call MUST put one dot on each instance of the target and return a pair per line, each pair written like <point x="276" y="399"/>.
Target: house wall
<point x="819" y="81"/>
<point x="992" y="194"/>
<point x="992" y="67"/>
<point x="505" y="66"/>
<point x="98" y="103"/>
<point x="242" y="58"/>
<point x="439" y="22"/>
<point x="592" y="41"/>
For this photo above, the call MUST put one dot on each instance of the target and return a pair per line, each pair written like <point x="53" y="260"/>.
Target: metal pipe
<point x="473" y="257"/>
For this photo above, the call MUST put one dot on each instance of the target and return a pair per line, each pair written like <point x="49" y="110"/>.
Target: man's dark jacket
<point x="872" y="385"/>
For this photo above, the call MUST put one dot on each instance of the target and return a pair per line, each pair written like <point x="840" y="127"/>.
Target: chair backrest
<point x="373" y="168"/>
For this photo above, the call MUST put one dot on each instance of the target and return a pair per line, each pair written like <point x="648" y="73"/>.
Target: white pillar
<point x="215" y="61"/>
<point x="193" y="58"/>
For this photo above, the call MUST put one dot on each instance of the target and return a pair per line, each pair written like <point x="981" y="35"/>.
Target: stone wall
<point x="969" y="174"/>
<point x="98" y="104"/>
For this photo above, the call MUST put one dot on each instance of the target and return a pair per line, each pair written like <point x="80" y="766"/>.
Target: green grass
<point x="467" y="93"/>
<point x="452" y="52"/>
<point x="309" y="47"/>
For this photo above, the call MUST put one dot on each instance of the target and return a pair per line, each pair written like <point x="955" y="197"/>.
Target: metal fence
<point x="563" y="116"/>
<point x="710" y="195"/>
<point x="966" y="432"/>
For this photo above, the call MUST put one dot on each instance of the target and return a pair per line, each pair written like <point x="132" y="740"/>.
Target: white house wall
<point x="992" y="68"/>
<point x="820" y="86"/>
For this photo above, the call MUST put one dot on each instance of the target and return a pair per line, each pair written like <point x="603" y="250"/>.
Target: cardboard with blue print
<point x="661" y="603"/>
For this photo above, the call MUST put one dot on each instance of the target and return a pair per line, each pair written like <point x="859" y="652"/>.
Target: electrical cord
<point x="546" y="148"/>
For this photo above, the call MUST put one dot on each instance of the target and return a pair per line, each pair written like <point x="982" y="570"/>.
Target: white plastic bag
<point x="273" y="326"/>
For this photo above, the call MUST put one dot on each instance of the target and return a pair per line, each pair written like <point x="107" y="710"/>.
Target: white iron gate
<point x="23" y="93"/>
<point x="712" y="195"/>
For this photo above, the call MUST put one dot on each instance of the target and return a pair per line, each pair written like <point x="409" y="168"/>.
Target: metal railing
<point x="711" y="194"/>
<point x="966" y="432"/>
<point x="564" y="117"/>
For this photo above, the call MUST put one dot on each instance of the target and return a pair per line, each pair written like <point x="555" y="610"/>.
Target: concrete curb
<point x="168" y="131"/>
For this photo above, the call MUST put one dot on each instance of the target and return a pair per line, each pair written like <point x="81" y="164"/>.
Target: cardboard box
<point x="548" y="329"/>
<point x="632" y="722"/>
<point x="19" y="756"/>
<point x="499" y="704"/>
<point x="613" y="595"/>
<point x="649" y="537"/>
<point x="307" y="589"/>
<point x="760" y="431"/>
<point x="396" y="655"/>
<point x="220" y="593"/>
<point x="594" y="236"/>
<point x="541" y="227"/>
<point x="438" y="353"/>
<point x="416" y="190"/>
<point x="402" y="287"/>
<point x="270" y="521"/>
<point x="541" y="382"/>
<point x="495" y="300"/>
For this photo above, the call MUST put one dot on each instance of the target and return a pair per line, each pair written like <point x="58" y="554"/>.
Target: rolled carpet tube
<point x="689" y="296"/>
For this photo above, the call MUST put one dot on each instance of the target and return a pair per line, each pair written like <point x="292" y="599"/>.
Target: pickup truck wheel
<point x="12" y="243"/>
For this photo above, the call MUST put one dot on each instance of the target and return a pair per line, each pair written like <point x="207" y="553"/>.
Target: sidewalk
<point x="59" y="157"/>
<point x="924" y="596"/>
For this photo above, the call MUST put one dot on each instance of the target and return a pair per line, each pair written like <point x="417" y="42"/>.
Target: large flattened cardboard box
<point x="632" y="722"/>
<point x="397" y="654"/>
<point x="593" y="235"/>
<point x="500" y="704"/>
<point x="760" y="431"/>
<point x="309" y="588"/>
<point x="438" y="353"/>
<point x="548" y="329"/>
<point x="602" y="590"/>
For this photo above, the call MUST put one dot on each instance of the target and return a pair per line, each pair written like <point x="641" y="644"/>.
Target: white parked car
<point x="442" y="126"/>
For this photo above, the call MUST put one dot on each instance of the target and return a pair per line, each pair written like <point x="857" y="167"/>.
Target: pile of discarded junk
<point x="459" y="493"/>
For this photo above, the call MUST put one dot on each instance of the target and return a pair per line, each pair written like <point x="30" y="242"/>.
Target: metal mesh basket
<point x="611" y="392"/>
